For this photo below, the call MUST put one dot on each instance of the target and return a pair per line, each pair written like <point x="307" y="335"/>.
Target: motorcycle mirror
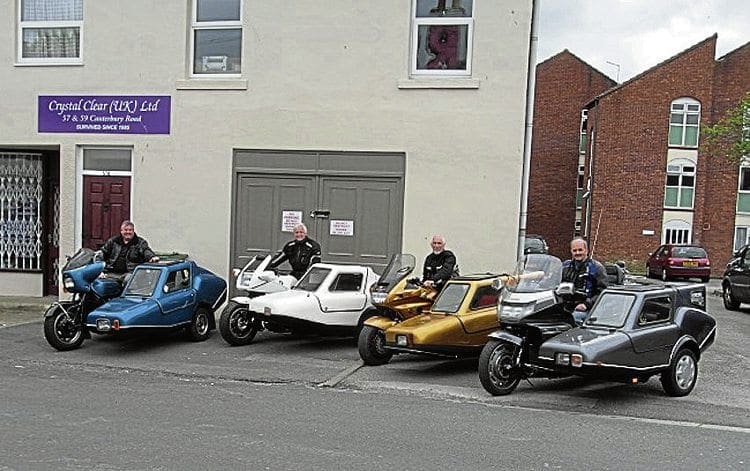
<point x="498" y="284"/>
<point x="565" y="288"/>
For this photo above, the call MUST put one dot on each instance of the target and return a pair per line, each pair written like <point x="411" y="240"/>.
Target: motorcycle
<point x="534" y="307"/>
<point x="236" y="324"/>
<point x="395" y="297"/>
<point x="64" y="321"/>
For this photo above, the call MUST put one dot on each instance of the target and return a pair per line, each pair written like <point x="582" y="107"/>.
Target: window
<point x="485" y="296"/>
<point x="655" y="310"/>
<point x="740" y="237"/>
<point x="684" y="120"/>
<point x="577" y="228"/>
<point x="680" y="186"/>
<point x="50" y="31"/>
<point x="347" y="282"/>
<point x="177" y="280"/>
<point x="676" y="235"/>
<point x="442" y="37"/>
<point x="743" y="190"/>
<point x="21" y="218"/>
<point x="217" y="37"/>
<point x="582" y="140"/>
<point x="579" y="187"/>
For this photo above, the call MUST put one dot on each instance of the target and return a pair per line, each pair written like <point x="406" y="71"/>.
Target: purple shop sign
<point x="105" y="114"/>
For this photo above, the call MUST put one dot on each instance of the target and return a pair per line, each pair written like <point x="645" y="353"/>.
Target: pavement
<point x="15" y="310"/>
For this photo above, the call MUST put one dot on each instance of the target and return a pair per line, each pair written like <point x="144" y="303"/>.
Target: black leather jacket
<point x="588" y="276"/>
<point x="300" y="254"/>
<point x="439" y="267"/>
<point x="138" y="252"/>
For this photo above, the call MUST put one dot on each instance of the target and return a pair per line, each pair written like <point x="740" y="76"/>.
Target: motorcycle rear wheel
<point x="496" y="371"/>
<point x="64" y="332"/>
<point x="236" y="325"/>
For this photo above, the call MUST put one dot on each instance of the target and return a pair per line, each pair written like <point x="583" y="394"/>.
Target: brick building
<point x="644" y="178"/>
<point x="564" y="85"/>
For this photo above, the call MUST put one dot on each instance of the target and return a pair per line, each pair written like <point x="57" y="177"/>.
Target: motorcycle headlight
<point x="68" y="283"/>
<point x="515" y="311"/>
<point x="379" y="297"/>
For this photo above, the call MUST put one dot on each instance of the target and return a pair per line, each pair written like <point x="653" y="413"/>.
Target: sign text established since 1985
<point x="105" y="114"/>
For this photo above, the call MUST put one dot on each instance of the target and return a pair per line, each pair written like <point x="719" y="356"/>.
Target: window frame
<point x="681" y="174"/>
<point x="196" y="25"/>
<point x="743" y="194"/>
<point x="684" y="110"/>
<point x="22" y="25"/>
<point x="417" y="21"/>
<point x="737" y="238"/>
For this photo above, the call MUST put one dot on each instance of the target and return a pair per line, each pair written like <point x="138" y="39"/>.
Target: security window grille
<point x="50" y="31"/>
<point x="216" y="37"/>
<point x="20" y="211"/>
<point x="679" y="187"/>
<point x="676" y="236"/>
<point x="442" y="37"/>
<point x="684" y="121"/>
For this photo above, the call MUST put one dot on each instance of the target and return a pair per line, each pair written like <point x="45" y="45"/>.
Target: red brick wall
<point x="564" y="84"/>
<point x="632" y="125"/>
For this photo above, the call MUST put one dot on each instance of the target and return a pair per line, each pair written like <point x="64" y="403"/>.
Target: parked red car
<point x="679" y="261"/>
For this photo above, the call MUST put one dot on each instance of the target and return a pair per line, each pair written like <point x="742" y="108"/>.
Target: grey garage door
<point x="352" y="204"/>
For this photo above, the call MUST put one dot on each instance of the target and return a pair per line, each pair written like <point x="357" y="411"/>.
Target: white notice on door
<point x="289" y="219"/>
<point x="342" y="227"/>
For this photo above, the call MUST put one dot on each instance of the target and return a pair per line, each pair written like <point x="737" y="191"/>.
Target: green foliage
<point x="730" y="136"/>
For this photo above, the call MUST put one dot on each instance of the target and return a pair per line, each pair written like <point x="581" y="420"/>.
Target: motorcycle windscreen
<point x="400" y="266"/>
<point x="534" y="273"/>
<point x="84" y="256"/>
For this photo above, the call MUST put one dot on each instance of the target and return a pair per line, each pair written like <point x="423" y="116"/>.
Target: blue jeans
<point x="579" y="316"/>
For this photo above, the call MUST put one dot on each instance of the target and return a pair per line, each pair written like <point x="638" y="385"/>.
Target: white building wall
<point x="332" y="76"/>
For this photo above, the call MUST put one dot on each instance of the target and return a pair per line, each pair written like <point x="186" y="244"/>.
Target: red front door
<point x="106" y="203"/>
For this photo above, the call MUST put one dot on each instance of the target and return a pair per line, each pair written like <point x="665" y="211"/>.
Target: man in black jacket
<point x="300" y="252"/>
<point x="440" y="265"/>
<point x="123" y="252"/>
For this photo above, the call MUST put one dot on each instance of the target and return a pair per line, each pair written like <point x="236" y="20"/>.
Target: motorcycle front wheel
<point x="371" y="346"/>
<point x="496" y="371"/>
<point x="63" y="330"/>
<point x="236" y="325"/>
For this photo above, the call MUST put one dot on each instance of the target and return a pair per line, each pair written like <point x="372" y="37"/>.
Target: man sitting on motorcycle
<point x="300" y="252"/>
<point x="440" y="265"/>
<point x="122" y="253"/>
<point x="587" y="275"/>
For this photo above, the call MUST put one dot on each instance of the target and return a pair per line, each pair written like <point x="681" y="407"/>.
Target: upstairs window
<point x="216" y="37"/>
<point x="50" y="31"/>
<point x="680" y="186"/>
<point x="579" y="186"/>
<point x="743" y="190"/>
<point x="442" y="37"/>
<point x="684" y="121"/>
<point x="582" y="140"/>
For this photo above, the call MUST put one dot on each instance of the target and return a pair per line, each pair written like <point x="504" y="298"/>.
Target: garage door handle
<point x="320" y="213"/>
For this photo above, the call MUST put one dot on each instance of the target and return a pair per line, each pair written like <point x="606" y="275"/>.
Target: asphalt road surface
<point x="160" y="402"/>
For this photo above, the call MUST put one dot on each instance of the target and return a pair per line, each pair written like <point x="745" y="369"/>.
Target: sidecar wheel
<point x="682" y="374"/>
<point x="62" y="332"/>
<point x="200" y="325"/>
<point x="236" y="325"/>
<point x="496" y="372"/>
<point x="371" y="346"/>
